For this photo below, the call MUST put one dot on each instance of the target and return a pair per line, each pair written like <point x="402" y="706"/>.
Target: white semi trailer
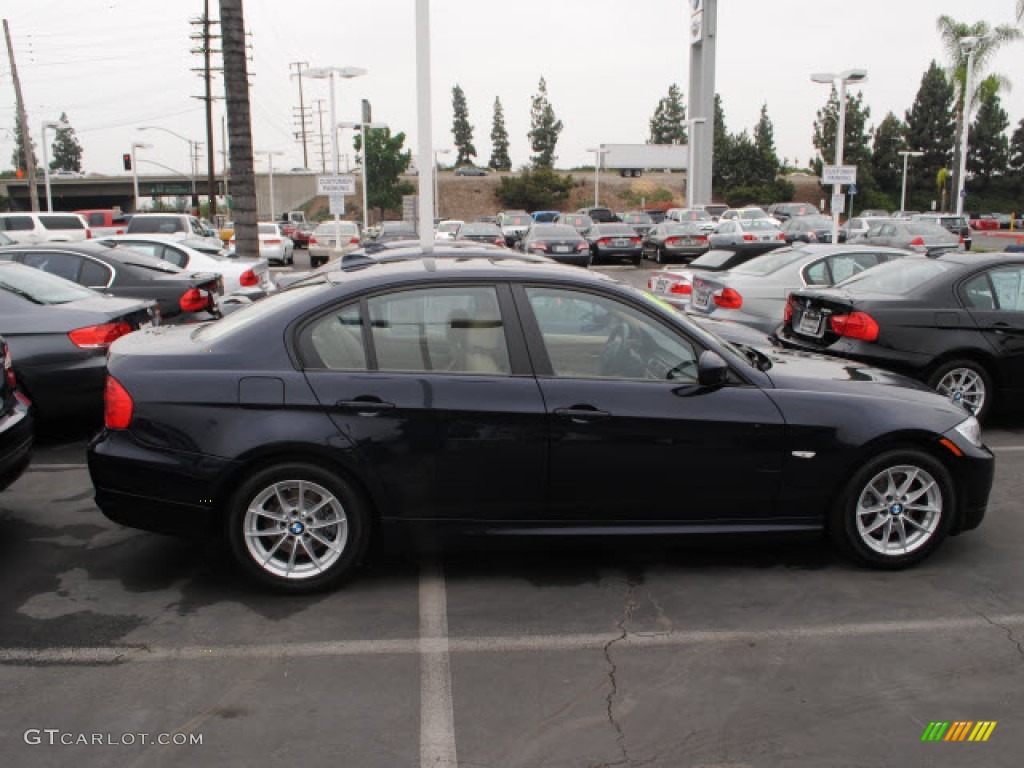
<point x="633" y="159"/>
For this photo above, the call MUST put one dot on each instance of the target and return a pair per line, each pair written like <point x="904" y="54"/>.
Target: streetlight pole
<point x="969" y="45"/>
<point x="437" y="172"/>
<point x="599" y="151"/>
<point x="55" y="124"/>
<point x="270" y="162"/>
<point x="135" y="170"/>
<point x="193" y="156"/>
<point x="362" y="161"/>
<point x="690" y="124"/>
<point x="840" y="80"/>
<point x="907" y="154"/>
<point x="329" y="72"/>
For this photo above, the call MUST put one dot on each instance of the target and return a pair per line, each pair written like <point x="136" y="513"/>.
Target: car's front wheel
<point x="895" y="510"/>
<point x="297" y="527"/>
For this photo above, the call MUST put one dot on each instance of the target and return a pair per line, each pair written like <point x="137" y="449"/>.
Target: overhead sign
<point x="839" y="174"/>
<point x="335" y="185"/>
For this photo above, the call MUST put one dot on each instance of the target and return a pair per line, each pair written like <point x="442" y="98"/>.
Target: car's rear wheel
<point x="297" y="527"/>
<point x="966" y="383"/>
<point x="895" y="510"/>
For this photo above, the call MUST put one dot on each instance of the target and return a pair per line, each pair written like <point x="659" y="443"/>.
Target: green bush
<point x="780" y="191"/>
<point x="651" y="197"/>
<point x="539" y="189"/>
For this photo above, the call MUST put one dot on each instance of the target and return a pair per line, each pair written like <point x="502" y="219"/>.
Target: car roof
<point x="980" y="259"/>
<point x="87" y="248"/>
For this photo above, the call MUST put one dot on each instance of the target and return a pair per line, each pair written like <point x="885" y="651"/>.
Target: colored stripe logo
<point x="959" y="730"/>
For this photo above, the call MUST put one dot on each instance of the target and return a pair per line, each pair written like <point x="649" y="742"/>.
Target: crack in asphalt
<point x="1007" y="630"/>
<point x="620" y="737"/>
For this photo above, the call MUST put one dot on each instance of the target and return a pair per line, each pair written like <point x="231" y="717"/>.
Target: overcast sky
<point x="115" y="65"/>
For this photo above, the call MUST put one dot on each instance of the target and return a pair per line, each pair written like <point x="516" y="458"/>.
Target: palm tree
<point x="236" y="88"/>
<point x="952" y="32"/>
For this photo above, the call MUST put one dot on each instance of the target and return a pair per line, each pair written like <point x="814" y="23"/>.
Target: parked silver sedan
<point x="739" y="234"/>
<point x="920" y="236"/>
<point x="332" y="239"/>
<point x="755" y="293"/>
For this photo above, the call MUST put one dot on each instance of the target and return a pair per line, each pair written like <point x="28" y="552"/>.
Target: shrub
<point x="539" y="189"/>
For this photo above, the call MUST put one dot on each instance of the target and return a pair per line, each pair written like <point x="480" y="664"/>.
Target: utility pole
<point x="206" y="72"/>
<point x="320" y="112"/>
<point x="26" y="137"/>
<point x="302" y="110"/>
<point x="236" y="87"/>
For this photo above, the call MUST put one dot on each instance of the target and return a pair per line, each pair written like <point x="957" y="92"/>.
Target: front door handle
<point x="366" y="406"/>
<point x="582" y="414"/>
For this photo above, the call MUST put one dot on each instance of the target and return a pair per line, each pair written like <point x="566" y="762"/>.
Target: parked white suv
<point x="179" y="225"/>
<point x="30" y="228"/>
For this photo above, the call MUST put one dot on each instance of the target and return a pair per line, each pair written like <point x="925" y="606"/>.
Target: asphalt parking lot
<point x="697" y="653"/>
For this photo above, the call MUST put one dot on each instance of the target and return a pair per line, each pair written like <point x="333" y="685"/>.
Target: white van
<point x="31" y="228"/>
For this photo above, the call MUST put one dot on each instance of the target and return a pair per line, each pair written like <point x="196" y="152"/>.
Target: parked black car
<point x="183" y="297"/>
<point x="670" y="241"/>
<point x="481" y="232"/>
<point x="600" y="215"/>
<point x="955" y="323"/>
<point x="810" y="229"/>
<point x="58" y="334"/>
<point x="786" y="211"/>
<point x="17" y="430"/>
<point x="615" y="242"/>
<point x="557" y="241"/>
<point x="502" y="398"/>
<point x="395" y="230"/>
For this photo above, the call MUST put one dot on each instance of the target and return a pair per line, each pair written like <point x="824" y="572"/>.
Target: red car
<point x="984" y="221"/>
<point x="302" y="234"/>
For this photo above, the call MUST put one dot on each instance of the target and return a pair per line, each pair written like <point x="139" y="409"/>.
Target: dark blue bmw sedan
<point x="497" y="396"/>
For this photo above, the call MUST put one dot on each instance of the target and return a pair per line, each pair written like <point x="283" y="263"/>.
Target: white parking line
<point x="1006" y="448"/>
<point x="45" y="467"/>
<point x="437" y="716"/>
<point x="432" y="600"/>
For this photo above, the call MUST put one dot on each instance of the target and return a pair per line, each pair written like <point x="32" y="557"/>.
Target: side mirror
<point x="712" y="370"/>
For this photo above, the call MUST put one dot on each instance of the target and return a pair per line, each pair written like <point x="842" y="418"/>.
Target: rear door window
<point x="1008" y="284"/>
<point x="66" y="265"/>
<point x="94" y="274"/>
<point x="60" y="222"/>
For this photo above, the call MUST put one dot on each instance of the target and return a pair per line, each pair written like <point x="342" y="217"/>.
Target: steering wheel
<point x="616" y="350"/>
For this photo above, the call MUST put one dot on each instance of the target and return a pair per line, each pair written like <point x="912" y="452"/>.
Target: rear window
<point x="753" y="213"/>
<point x="17" y="223"/>
<point x="555" y="230"/>
<point x="40" y="287"/>
<point x="481" y="229"/>
<point x="517" y="221"/>
<point x="897" y="277"/>
<point x="268" y="229"/>
<point x="155" y="224"/>
<point x="712" y="259"/>
<point x="764" y="265"/>
<point x="716" y="210"/>
<point x="616" y="229"/>
<point x="760" y="224"/>
<point x="696" y="215"/>
<point x="61" y="222"/>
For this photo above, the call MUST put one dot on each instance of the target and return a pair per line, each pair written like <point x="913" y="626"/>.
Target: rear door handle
<point x="581" y="414"/>
<point x="366" y="406"/>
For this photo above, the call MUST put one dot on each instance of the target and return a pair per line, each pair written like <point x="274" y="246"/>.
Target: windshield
<point x="40" y="287"/>
<point x="896" y="277"/>
<point x="768" y="263"/>
<point x="753" y="213"/>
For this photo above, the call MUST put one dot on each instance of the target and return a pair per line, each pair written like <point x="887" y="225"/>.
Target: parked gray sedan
<point x="748" y="235"/>
<point x="920" y="236"/>
<point x="755" y="293"/>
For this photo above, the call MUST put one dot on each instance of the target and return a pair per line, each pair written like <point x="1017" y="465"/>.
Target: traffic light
<point x="127" y="161"/>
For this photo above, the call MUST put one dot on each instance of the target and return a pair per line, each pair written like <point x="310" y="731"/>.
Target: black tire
<point x="345" y="517"/>
<point x="865" y="546"/>
<point x="961" y="380"/>
<point x="636" y="261"/>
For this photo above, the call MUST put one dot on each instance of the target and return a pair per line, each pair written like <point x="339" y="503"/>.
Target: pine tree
<point x="461" y="129"/>
<point x="544" y="128"/>
<point x="18" y="158"/>
<point x="764" y="141"/>
<point x="930" y="128"/>
<point x="721" y="154"/>
<point x="500" y="160"/>
<point x="1016" y="162"/>
<point x="886" y="162"/>
<point x="67" y="152"/>
<point x="989" y="152"/>
<point x="667" y="126"/>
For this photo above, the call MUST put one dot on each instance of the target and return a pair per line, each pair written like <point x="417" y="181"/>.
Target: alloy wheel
<point x="965" y="387"/>
<point x="899" y="510"/>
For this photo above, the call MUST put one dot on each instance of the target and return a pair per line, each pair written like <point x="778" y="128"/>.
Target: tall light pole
<point x="839" y="80"/>
<point x="54" y="124"/>
<point x="969" y="45"/>
<point x="193" y="155"/>
<point x="599" y="151"/>
<point x="362" y="128"/>
<point x="690" y="122"/>
<point x="270" y="162"/>
<point x="906" y="155"/>
<point x="135" y="170"/>
<point x="437" y="172"/>
<point x="329" y="72"/>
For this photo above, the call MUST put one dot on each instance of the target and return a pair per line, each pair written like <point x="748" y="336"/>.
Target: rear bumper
<point x="17" y="435"/>
<point x="156" y="490"/>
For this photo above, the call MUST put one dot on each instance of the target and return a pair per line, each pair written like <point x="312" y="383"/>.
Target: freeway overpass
<point x="95" y="191"/>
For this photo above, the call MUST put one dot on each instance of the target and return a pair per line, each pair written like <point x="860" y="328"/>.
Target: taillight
<point x="917" y="241"/>
<point x="99" y="336"/>
<point x="604" y="241"/>
<point x="681" y="288"/>
<point x="248" y="278"/>
<point x="117" y="405"/>
<point x="856" y="325"/>
<point x="961" y="239"/>
<point x="119" y="232"/>
<point x="538" y="246"/>
<point x="749" y="238"/>
<point x="354" y="241"/>
<point x="499" y="241"/>
<point x="780" y="236"/>
<point x="702" y="238"/>
<point x="88" y="234"/>
<point x="787" y="313"/>
<point x="812" y="237"/>
<point x="728" y="298"/>
<point x="312" y="240"/>
<point x="671" y="240"/>
<point x="272" y="242"/>
<point x="12" y="381"/>
<point x="582" y="247"/>
<point x="194" y="300"/>
<point x="635" y="240"/>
